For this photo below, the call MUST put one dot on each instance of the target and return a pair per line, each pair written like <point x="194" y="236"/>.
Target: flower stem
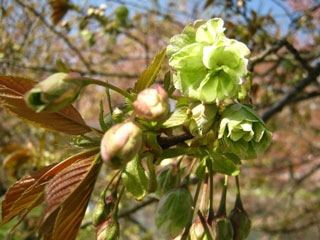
<point x="211" y="211"/>
<point x="87" y="81"/>
<point x="222" y="208"/>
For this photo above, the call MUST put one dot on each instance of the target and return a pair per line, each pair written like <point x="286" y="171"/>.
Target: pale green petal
<point x="179" y="41"/>
<point x="188" y="58"/>
<point x="236" y="135"/>
<point x="208" y="89"/>
<point x="238" y="47"/>
<point x="258" y="131"/>
<point x="223" y="125"/>
<point x="246" y="126"/>
<point x="214" y="56"/>
<point x="246" y="135"/>
<point x="210" y="31"/>
<point x="189" y="82"/>
<point x="264" y="143"/>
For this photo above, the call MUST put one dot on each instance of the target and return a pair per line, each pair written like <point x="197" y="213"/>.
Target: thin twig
<point x="137" y="207"/>
<point x="280" y="104"/>
<point x="54" y="70"/>
<point x="59" y="34"/>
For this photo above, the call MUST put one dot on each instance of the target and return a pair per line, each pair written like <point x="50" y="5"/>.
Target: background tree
<point x="99" y="39"/>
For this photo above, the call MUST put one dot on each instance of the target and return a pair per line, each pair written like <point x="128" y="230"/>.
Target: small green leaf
<point x="151" y="141"/>
<point x="167" y="81"/>
<point x="149" y="75"/>
<point x="103" y="125"/>
<point x="85" y="142"/>
<point x="61" y="66"/>
<point x="135" y="179"/>
<point x="177" y="118"/>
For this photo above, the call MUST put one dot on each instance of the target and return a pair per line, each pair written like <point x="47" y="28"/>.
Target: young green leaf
<point x="177" y="118"/>
<point x="149" y="75"/>
<point x="135" y="179"/>
<point x="103" y="125"/>
<point x="167" y="81"/>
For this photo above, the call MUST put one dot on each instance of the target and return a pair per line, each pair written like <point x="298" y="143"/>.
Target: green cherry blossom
<point x="242" y="132"/>
<point x="209" y="66"/>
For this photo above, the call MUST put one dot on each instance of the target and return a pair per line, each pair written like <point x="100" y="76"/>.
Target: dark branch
<point x="306" y="96"/>
<point x="278" y="106"/>
<point x="263" y="55"/>
<point x="166" y="142"/>
<point x="137" y="207"/>
<point x="297" y="56"/>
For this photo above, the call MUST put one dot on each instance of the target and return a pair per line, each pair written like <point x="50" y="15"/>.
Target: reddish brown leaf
<point x="12" y="89"/>
<point x="64" y="183"/>
<point x="73" y="209"/>
<point x="29" y="190"/>
<point x="60" y="8"/>
<point x="68" y="195"/>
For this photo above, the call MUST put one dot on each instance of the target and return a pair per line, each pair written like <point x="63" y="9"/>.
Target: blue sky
<point x="260" y="6"/>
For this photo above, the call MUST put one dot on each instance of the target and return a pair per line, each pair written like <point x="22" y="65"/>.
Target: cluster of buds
<point x="97" y="11"/>
<point x="235" y="226"/>
<point x="242" y="132"/>
<point x="152" y="104"/>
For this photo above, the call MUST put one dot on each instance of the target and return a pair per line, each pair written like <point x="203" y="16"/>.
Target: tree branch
<point x="278" y="106"/>
<point x="297" y="56"/>
<point x="59" y="34"/>
<point x="137" y="207"/>
<point x="54" y="70"/>
<point x="166" y="142"/>
<point x="257" y="59"/>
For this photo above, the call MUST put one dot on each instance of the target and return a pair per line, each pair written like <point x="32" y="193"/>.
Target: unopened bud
<point x="103" y="208"/>
<point x="224" y="228"/>
<point x="122" y="13"/>
<point x="240" y="221"/>
<point x="120" y="144"/>
<point x="152" y="104"/>
<point x="108" y="230"/>
<point x="197" y="230"/>
<point x="54" y="93"/>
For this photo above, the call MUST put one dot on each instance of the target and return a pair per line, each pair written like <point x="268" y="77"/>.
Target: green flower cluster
<point x="209" y="66"/>
<point x="242" y="132"/>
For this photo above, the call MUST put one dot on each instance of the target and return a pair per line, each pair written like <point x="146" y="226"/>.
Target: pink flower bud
<point x="152" y="104"/>
<point x="120" y="144"/>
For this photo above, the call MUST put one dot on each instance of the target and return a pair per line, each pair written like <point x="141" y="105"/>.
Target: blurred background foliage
<point x="114" y="40"/>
